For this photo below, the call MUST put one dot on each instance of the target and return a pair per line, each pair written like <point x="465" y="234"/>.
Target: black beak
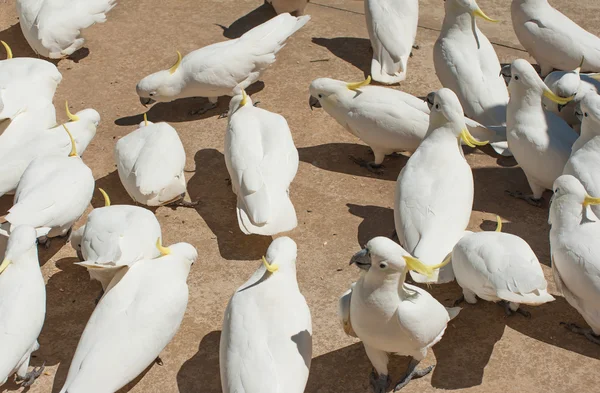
<point x="430" y="99"/>
<point x="146" y="101"/>
<point x="362" y="259"/>
<point x="560" y="107"/>
<point x="313" y="103"/>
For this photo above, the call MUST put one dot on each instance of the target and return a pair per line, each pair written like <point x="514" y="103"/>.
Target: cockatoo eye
<point x="516" y="77"/>
<point x="383" y="265"/>
<point x="152" y="94"/>
<point x="437" y="106"/>
<point x="585" y="114"/>
<point x="320" y="95"/>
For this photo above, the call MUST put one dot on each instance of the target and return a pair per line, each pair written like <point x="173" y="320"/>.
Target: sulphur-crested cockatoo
<point x="113" y="237"/>
<point x="262" y="162"/>
<point x="392" y="27"/>
<point x="555" y="41"/>
<point x="215" y="70"/>
<point x="575" y="252"/>
<point x="294" y="7"/>
<point x="266" y="343"/>
<point x="539" y="140"/>
<point x="499" y="267"/>
<point x="53" y="193"/>
<point x="387" y="120"/>
<point x="53" y="27"/>
<point x="150" y="162"/>
<point x="466" y="62"/>
<point x="390" y="316"/>
<point x="22" y="305"/>
<point x="567" y="84"/>
<point x="44" y="143"/>
<point x="434" y="191"/>
<point x="133" y="322"/>
<point x="584" y="162"/>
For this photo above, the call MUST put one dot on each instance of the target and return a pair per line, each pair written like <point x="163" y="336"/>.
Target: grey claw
<point x="31" y="376"/>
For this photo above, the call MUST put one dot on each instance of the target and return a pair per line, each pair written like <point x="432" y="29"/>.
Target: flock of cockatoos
<point x="550" y="126"/>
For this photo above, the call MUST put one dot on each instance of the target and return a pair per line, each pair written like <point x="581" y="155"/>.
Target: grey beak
<point x="430" y="99"/>
<point x="506" y="71"/>
<point x="313" y="103"/>
<point x="146" y="101"/>
<point x="362" y="259"/>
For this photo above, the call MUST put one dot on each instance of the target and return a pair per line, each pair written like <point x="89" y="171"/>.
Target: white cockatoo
<point x="45" y="142"/>
<point x="434" y="191"/>
<point x="133" y="322"/>
<point x="566" y="84"/>
<point x="113" y="237"/>
<point x="575" y="252"/>
<point x="294" y="7"/>
<point x="554" y="41"/>
<point x="499" y="267"/>
<point x="262" y="162"/>
<point x="217" y="69"/>
<point x="584" y="162"/>
<point x="466" y="62"/>
<point x="266" y="342"/>
<point x="390" y="316"/>
<point x="22" y="305"/>
<point x="53" y="193"/>
<point x="539" y="140"/>
<point x="150" y="162"/>
<point x="53" y="27"/>
<point x="387" y="120"/>
<point x="392" y="27"/>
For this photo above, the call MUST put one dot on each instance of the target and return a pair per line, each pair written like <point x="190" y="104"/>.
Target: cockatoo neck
<point x="567" y="213"/>
<point x="27" y="258"/>
<point x="589" y="130"/>
<point x="524" y="98"/>
<point x="458" y="17"/>
<point x="386" y="282"/>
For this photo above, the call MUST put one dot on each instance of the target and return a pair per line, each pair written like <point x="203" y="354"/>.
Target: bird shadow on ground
<point x="350" y="49"/>
<point x="180" y="110"/>
<point x="217" y="207"/>
<point x="6" y="203"/>
<point x="202" y="369"/>
<point x="14" y="37"/>
<point x="252" y="19"/>
<point x="377" y="221"/>
<point x="111" y="183"/>
<point x="334" y="157"/>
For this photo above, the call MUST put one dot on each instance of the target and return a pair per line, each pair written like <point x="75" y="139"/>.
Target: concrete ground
<point x="340" y="205"/>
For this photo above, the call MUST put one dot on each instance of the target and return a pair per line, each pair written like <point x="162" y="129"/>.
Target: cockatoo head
<point x="23" y="239"/>
<point x="162" y="86"/>
<point x="239" y="100"/>
<point x="324" y="91"/>
<point x="570" y="201"/>
<point x="589" y="110"/>
<point x="471" y="6"/>
<point x="524" y="79"/>
<point x="182" y="250"/>
<point x="281" y="256"/>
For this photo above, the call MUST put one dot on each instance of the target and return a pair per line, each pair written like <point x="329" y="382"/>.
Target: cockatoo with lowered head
<point x="53" y="27"/>
<point x="466" y="62"/>
<point x="434" y="191"/>
<point x="387" y="120"/>
<point x="53" y="193"/>
<point x="390" y="316"/>
<point x="294" y="7"/>
<point x="554" y="40"/>
<point x="499" y="267"/>
<point x="262" y="162"/>
<point x="266" y="343"/>
<point x="392" y="27"/>
<point x="133" y="322"/>
<point x="575" y="252"/>
<point x="22" y="306"/>
<point x="215" y="70"/>
<point x="539" y="140"/>
<point x="44" y="143"/>
<point x="150" y="162"/>
<point x="114" y="237"/>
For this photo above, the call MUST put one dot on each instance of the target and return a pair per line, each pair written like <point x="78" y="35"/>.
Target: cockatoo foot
<point x="509" y="312"/>
<point x="158" y="361"/>
<point x="371" y="166"/>
<point x="411" y="373"/>
<point x="31" y="376"/>
<point x="379" y="383"/>
<point x="537" y="202"/>
<point x="588" y="333"/>
<point x="45" y="241"/>
<point x="416" y="46"/>
<point x="183" y="203"/>
<point x="205" y="108"/>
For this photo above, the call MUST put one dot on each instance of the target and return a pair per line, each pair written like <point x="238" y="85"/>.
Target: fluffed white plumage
<point x="53" y="193"/>
<point x="113" y="237"/>
<point x="554" y="40"/>
<point x="42" y="143"/>
<point x="434" y="191"/>
<point x="392" y="27"/>
<point x="22" y="304"/>
<point x="575" y="249"/>
<point x="496" y="266"/>
<point x="215" y="70"/>
<point x="53" y="27"/>
<point x="150" y="162"/>
<point x="266" y="342"/>
<point x="262" y="162"/>
<point x="387" y="120"/>
<point x="539" y="140"/>
<point x="389" y="315"/>
<point x="584" y="162"/>
<point x="294" y="7"/>
<point x="569" y="84"/>
<point x="466" y="62"/>
<point x="133" y="322"/>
